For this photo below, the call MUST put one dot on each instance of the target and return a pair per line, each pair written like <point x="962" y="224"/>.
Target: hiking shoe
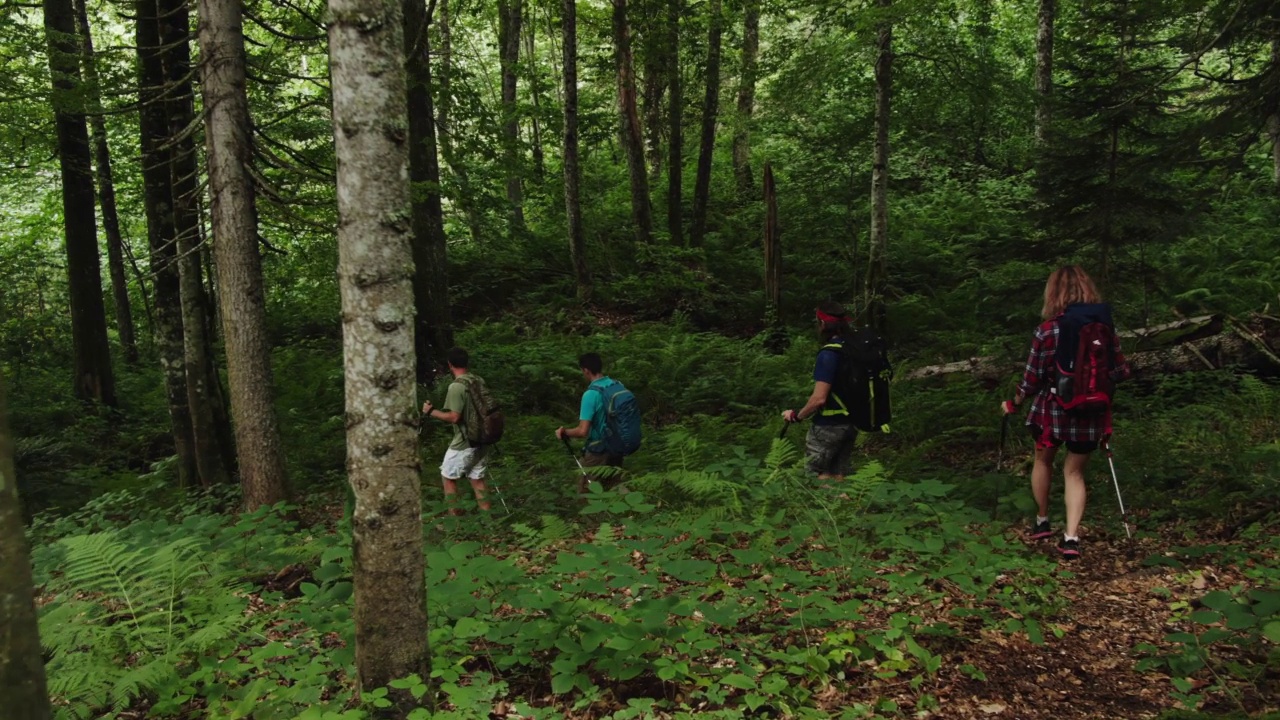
<point x="1070" y="549"/>
<point x="1040" y="530"/>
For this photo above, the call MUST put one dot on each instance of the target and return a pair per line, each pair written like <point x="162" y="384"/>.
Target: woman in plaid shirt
<point x="1048" y="422"/>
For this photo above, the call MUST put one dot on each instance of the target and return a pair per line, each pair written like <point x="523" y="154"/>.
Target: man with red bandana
<point x="831" y="439"/>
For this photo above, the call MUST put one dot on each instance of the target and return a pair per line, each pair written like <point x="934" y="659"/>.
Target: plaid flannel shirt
<point x="1038" y="382"/>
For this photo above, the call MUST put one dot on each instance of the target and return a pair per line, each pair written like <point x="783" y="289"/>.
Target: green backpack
<point x="482" y="420"/>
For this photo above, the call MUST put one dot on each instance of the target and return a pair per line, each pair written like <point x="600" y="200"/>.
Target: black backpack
<point x="863" y="379"/>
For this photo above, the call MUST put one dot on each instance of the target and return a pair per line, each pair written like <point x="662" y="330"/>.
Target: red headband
<point x="831" y="318"/>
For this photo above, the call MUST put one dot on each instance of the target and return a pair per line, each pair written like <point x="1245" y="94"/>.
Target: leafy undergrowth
<point x="735" y="589"/>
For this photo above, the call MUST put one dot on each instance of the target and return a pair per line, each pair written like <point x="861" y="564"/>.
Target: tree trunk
<point x="746" y="98"/>
<point x="1210" y="345"/>
<point x="632" y="137"/>
<point x="710" y="108"/>
<point x="509" y="17"/>
<point x="653" y="85"/>
<point x="1273" y="120"/>
<point x="675" y="127"/>
<point x="212" y="458"/>
<point x="433" y="333"/>
<point x="877" y="272"/>
<point x="445" y="128"/>
<point x="374" y="270"/>
<point x="535" y="91"/>
<point x="572" y="170"/>
<point x="157" y="201"/>
<point x="107" y="192"/>
<point x="239" y="266"/>
<point x="772" y="251"/>
<point x="93" y="377"/>
<point x="22" y="679"/>
<point x="1044" y="70"/>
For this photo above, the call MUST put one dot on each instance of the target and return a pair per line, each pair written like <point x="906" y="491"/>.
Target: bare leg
<point x="1041" y="474"/>
<point x="1075" y="492"/>
<point x="477" y="486"/>
<point x="451" y="494"/>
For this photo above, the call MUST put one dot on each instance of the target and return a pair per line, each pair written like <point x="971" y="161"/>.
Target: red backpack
<point x="1086" y="359"/>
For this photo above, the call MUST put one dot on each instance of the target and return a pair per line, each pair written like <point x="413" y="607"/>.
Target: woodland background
<point x="673" y="184"/>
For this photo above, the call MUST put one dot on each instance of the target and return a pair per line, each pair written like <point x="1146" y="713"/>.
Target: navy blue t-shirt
<point x="827" y="370"/>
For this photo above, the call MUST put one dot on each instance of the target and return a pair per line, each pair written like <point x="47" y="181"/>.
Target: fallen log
<point x="1252" y="344"/>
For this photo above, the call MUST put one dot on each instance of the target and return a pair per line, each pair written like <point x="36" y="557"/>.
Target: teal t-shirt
<point x="593" y="409"/>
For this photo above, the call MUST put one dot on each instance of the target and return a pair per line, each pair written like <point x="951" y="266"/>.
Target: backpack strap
<point x="843" y="355"/>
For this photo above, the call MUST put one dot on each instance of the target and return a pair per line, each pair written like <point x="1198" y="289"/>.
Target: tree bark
<point x="444" y="127"/>
<point x="632" y="136"/>
<point x="535" y="92"/>
<point x="746" y="98"/>
<point x="675" y="127"/>
<point x="239" y="266"/>
<point x="710" y="109"/>
<point x="433" y="332"/>
<point x="22" y="678"/>
<point x="374" y="270"/>
<point x="653" y="87"/>
<point x="1273" y="120"/>
<point x="107" y="191"/>
<point x="94" y="380"/>
<point x="157" y="201"/>
<point x="572" y="170"/>
<point x="212" y="457"/>
<point x="1044" y="70"/>
<point x="509" y="19"/>
<point x="877" y="272"/>
<point x="772" y="250"/>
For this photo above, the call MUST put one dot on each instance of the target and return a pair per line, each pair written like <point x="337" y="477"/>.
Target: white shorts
<point x="468" y="462"/>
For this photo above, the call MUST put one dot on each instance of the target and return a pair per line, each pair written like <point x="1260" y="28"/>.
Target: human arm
<point x="592" y="402"/>
<point x="454" y="401"/>
<point x="447" y="416"/>
<point x="1039" y="363"/>
<point x="821" y="391"/>
<point x="582" y="429"/>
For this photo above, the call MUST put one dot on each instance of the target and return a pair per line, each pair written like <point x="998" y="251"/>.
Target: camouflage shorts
<point x="828" y="449"/>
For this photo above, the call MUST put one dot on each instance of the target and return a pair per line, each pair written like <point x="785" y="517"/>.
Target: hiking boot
<point x="1070" y="549"/>
<point x="1040" y="530"/>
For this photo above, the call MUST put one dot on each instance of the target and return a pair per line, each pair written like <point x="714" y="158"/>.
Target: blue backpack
<point x="621" y="420"/>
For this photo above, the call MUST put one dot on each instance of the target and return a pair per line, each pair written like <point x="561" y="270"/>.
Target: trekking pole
<point x="582" y="484"/>
<point x="501" y="498"/>
<point x="785" y="426"/>
<point x="1004" y="435"/>
<point x="1124" y="516"/>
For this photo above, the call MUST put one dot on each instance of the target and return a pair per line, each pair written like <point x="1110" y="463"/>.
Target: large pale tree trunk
<point x="1044" y="69"/>
<point x="710" y="109"/>
<point x="675" y="127"/>
<point x="93" y="377"/>
<point x="433" y="333"/>
<point x="213" y="459"/>
<point x="107" y="191"/>
<point x="632" y="136"/>
<point x="235" y="242"/>
<point x="572" y="170"/>
<point x="444" y="126"/>
<point x="157" y="199"/>
<point x="509" y="18"/>
<point x="374" y="270"/>
<point x="22" y="680"/>
<point x="877" y="265"/>
<point x="746" y="97"/>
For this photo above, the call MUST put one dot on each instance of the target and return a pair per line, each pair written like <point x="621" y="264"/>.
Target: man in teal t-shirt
<point x="591" y="418"/>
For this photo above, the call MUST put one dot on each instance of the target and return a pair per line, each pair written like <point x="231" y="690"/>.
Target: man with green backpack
<point x="477" y="421"/>
<point x="608" y="418"/>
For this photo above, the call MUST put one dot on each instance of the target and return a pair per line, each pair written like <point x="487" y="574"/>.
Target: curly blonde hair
<point x="1068" y="285"/>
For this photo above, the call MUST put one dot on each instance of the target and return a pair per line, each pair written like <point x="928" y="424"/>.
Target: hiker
<point x="1076" y="340"/>
<point x="463" y="458"/>
<point x="608" y="419"/>
<point x="850" y="392"/>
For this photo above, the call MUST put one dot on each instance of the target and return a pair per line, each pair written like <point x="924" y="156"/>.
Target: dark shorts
<point x="590" y="460"/>
<point x="828" y="449"/>
<point x="1079" y="447"/>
